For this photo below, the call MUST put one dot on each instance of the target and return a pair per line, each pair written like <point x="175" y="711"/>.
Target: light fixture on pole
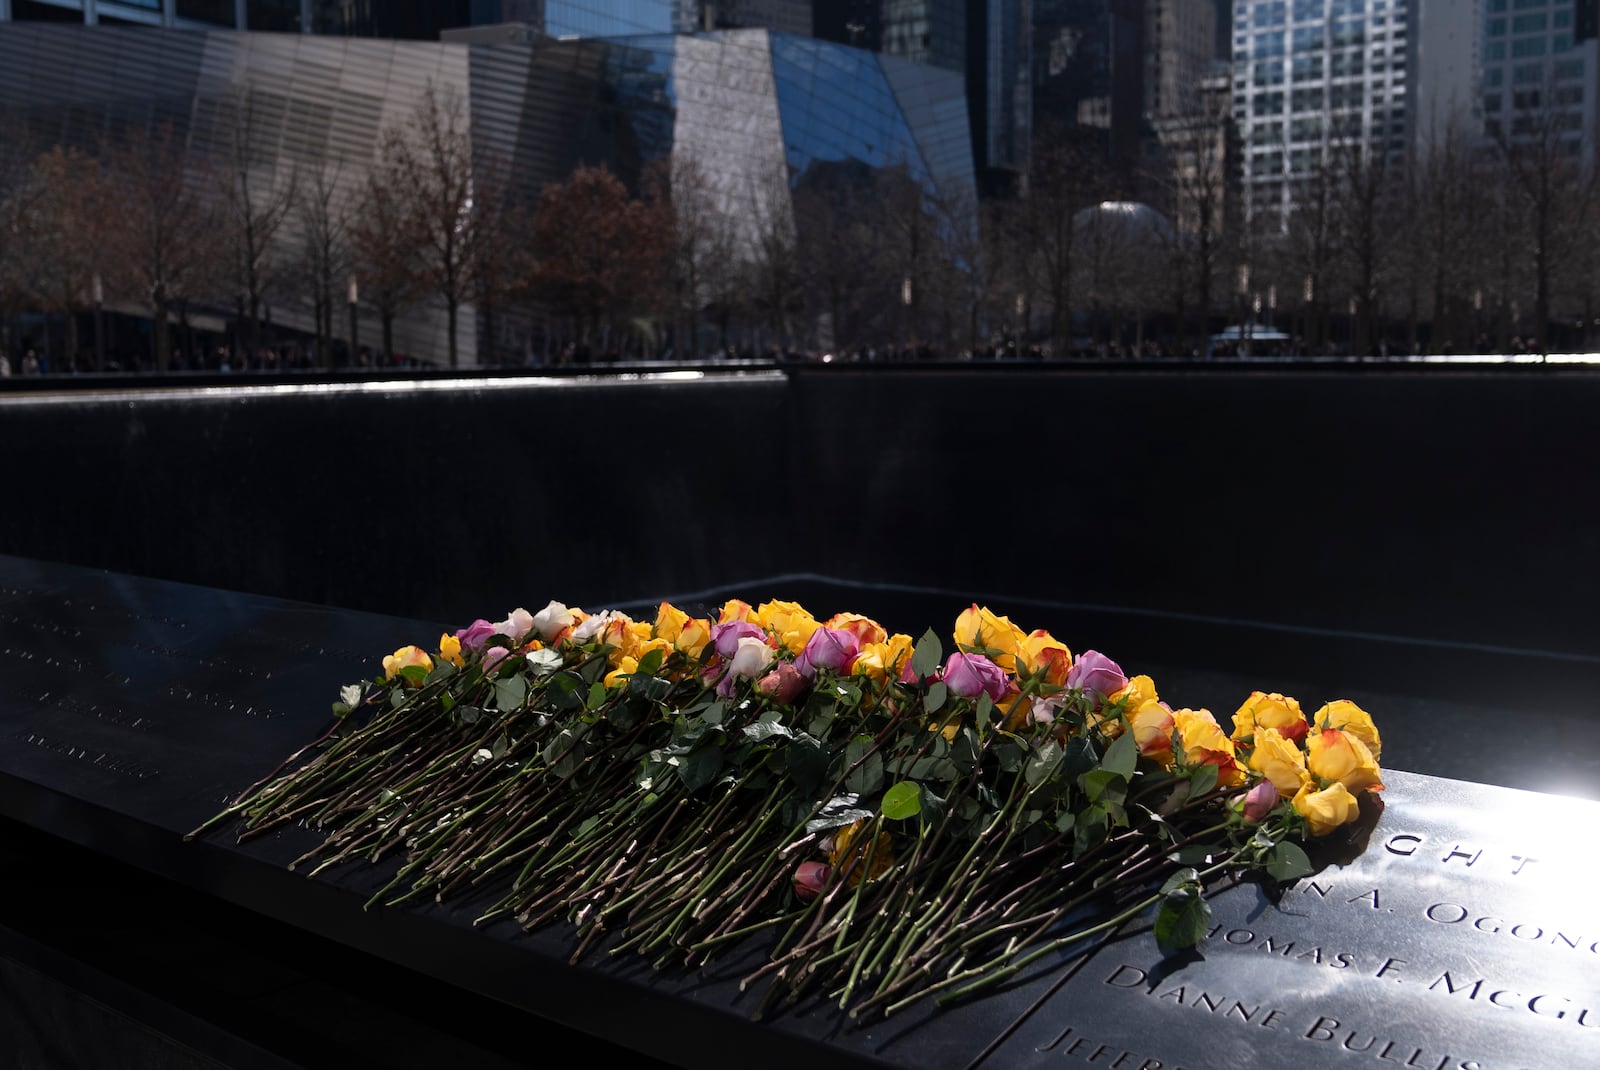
<point x="99" y="324"/>
<point x="355" y="338"/>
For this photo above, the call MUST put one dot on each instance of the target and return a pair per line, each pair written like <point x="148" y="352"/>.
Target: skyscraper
<point x="1311" y="75"/>
<point x="1540" y="61"/>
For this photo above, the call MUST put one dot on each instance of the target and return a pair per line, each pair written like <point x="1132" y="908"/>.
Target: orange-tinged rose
<point x="1204" y="743"/>
<point x="788" y="622"/>
<point x="1327" y="809"/>
<point x="404" y="658"/>
<point x="1335" y="754"/>
<point x="865" y="629"/>
<point x="734" y="609"/>
<point x="1348" y="717"/>
<point x="1042" y="651"/>
<point x="1152" y="731"/>
<point x="1270" y="710"/>
<point x="1279" y="760"/>
<point x="1017" y="711"/>
<point x="978" y="631"/>
<point x="669" y="622"/>
<point x="694" y="637"/>
<point x="450" y="649"/>
<point x="849" y="856"/>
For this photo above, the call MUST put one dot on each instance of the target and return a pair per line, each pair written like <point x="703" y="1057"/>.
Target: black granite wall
<point x="1440" y="503"/>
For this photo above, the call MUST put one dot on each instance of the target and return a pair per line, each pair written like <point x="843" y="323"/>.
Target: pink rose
<point x="474" y="635"/>
<point x="811" y="878"/>
<point x="971" y="675"/>
<point x="493" y="656"/>
<point x="782" y="684"/>
<point x="1094" y="673"/>
<point x="1259" y="801"/>
<point x="828" y="648"/>
<point x="725" y="637"/>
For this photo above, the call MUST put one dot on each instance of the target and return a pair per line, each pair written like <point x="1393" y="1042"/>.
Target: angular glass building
<point x="757" y="112"/>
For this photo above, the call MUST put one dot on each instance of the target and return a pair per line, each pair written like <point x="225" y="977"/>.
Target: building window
<point x="1528" y="74"/>
<point x="1568" y="69"/>
<point x="1307" y="68"/>
<point x="1268" y="44"/>
<point x="1569" y="94"/>
<point x="1493" y="76"/>
<point x="1561" y="19"/>
<point x="1307" y="10"/>
<point x="1270" y="14"/>
<point x="1530" y="23"/>
<point x="1528" y="46"/>
<point x="1560" y="42"/>
<point x="1492" y="102"/>
<point x="1497" y="27"/>
<point x="1494" y="50"/>
<point x="1495" y="5"/>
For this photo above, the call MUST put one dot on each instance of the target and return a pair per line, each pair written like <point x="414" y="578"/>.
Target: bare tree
<point x="1364" y="199"/>
<point x="497" y="251"/>
<point x="160" y="225"/>
<point x="68" y="204"/>
<point x="1554" y="192"/>
<point x="255" y="201"/>
<point x="430" y="158"/>
<point x="702" y="246"/>
<point x="321" y="213"/>
<point x="1068" y="173"/>
<point x="382" y="250"/>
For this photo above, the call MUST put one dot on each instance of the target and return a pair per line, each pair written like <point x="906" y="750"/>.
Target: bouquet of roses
<point x="895" y="821"/>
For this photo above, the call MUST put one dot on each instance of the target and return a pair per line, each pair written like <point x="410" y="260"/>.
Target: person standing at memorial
<point x="30" y="363"/>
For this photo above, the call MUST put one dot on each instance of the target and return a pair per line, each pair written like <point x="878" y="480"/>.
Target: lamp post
<point x="99" y="324"/>
<point x="355" y="338"/>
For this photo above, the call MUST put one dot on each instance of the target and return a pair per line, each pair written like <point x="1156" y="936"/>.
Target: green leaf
<point x="866" y="778"/>
<point x="1187" y="875"/>
<point x="470" y="714"/>
<point x="1042" y="764"/>
<point x="597" y="695"/>
<point x="544" y="661"/>
<point x="714" y="713"/>
<point x="1183" y="919"/>
<point x="416" y="675"/>
<point x="1288" y="862"/>
<point x="764" y="730"/>
<point x="806" y="762"/>
<point x="934" y="699"/>
<point x="510" y="692"/>
<point x="1202" y="780"/>
<point x="1121" y="756"/>
<point x="650" y="664"/>
<point x="1104" y="787"/>
<point x="699" y="767"/>
<point x="926" y="655"/>
<point x="985" y="708"/>
<point x="1195" y="854"/>
<point x="902" y="801"/>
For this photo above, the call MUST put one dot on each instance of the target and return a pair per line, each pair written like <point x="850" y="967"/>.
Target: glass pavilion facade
<point x="756" y="111"/>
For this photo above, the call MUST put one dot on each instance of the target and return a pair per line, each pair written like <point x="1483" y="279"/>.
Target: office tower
<point x="1540" y="77"/>
<point x="1314" y="76"/>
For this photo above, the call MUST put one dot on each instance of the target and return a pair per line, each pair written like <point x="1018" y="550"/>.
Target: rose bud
<point x="1259" y="801"/>
<point x="811" y="878"/>
<point x="783" y="684"/>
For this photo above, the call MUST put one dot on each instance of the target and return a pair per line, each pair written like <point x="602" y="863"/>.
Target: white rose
<point x="751" y="658"/>
<point x="550" y="620"/>
<point x="516" y="625"/>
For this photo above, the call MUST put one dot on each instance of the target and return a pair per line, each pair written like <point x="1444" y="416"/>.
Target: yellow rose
<point x="1279" y="760"/>
<point x="1335" y="754"/>
<point x="450" y="649"/>
<point x="1042" y="651"/>
<point x="978" y="630"/>
<point x="669" y="622"/>
<point x="635" y="652"/>
<point x="1152" y="731"/>
<point x="636" y="636"/>
<point x="787" y="622"/>
<point x="404" y="658"/>
<point x="1137" y="691"/>
<point x="694" y="637"/>
<point x="619" y="675"/>
<point x="1204" y="743"/>
<point x="1348" y="717"/>
<point x="1327" y="809"/>
<point x="865" y="629"/>
<point x="1270" y="710"/>
<point x="734" y="609"/>
<point x="848" y="856"/>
